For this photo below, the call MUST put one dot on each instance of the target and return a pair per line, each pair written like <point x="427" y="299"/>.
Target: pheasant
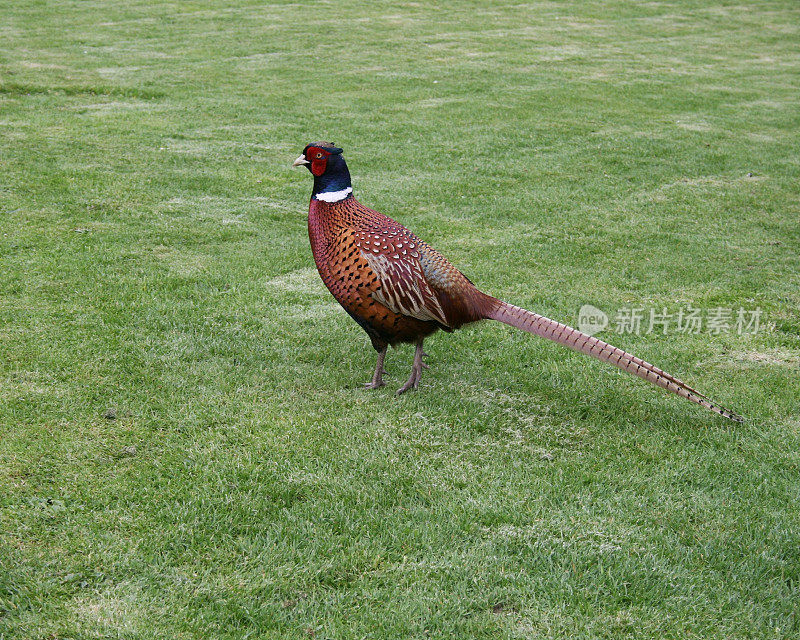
<point x="401" y="290"/>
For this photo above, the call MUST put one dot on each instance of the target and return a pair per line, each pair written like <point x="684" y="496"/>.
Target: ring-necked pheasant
<point x="399" y="289"/>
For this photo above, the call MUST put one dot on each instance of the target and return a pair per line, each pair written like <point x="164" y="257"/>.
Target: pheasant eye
<point x="319" y="155"/>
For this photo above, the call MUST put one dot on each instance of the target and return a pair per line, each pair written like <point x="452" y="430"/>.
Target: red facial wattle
<point x="319" y="160"/>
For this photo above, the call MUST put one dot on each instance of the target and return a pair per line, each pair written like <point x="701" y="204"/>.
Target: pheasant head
<point x="331" y="177"/>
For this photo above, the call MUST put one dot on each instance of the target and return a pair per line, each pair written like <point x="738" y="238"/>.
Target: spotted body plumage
<point x="392" y="283"/>
<point x="399" y="289"/>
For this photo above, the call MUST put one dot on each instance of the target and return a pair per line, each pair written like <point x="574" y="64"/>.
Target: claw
<point x="408" y="385"/>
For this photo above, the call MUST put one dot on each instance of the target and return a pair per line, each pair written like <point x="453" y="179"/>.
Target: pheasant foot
<point x="377" y="378"/>
<point x="416" y="370"/>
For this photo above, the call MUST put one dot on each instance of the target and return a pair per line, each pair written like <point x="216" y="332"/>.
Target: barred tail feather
<point x="574" y="339"/>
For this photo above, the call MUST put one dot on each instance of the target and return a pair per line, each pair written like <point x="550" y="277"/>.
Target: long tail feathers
<point x="574" y="339"/>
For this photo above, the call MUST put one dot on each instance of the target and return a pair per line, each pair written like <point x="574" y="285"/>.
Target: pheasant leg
<point x="416" y="370"/>
<point x="377" y="378"/>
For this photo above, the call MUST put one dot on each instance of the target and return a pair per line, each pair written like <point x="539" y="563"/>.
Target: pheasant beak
<point x="300" y="161"/>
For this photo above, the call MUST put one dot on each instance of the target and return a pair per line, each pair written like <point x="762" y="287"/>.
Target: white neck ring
<point x="334" y="196"/>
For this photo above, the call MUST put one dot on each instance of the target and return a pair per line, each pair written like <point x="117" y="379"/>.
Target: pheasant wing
<point x="403" y="287"/>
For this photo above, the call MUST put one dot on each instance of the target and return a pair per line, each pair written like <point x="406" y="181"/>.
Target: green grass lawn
<point x="185" y="449"/>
